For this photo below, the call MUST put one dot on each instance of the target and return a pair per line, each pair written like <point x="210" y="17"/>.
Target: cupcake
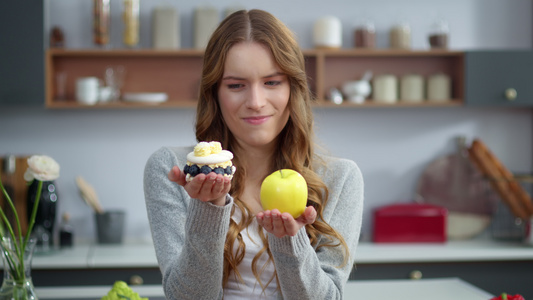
<point x="209" y="157"/>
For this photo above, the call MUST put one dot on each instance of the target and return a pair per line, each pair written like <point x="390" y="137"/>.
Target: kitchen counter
<point x="142" y="254"/>
<point x="435" y="289"/>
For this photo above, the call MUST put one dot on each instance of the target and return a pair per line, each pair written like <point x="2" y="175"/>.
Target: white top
<point x="250" y="287"/>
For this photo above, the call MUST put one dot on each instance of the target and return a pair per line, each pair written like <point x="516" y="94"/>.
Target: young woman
<point x="212" y="238"/>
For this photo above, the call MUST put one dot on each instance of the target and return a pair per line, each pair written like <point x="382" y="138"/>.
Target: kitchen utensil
<point x="110" y="226"/>
<point x="89" y="195"/>
<point x="453" y="182"/>
<point x="502" y="180"/>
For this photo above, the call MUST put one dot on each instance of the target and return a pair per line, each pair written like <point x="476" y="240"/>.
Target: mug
<point x="87" y="90"/>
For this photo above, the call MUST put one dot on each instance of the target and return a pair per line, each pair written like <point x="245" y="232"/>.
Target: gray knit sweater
<point x="189" y="235"/>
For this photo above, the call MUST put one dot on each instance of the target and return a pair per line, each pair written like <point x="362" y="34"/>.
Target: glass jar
<point x="400" y="36"/>
<point x="365" y="35"/>
<point x="101" y="20"/>
<point x="438" y="35"/>
<point x="130" y="19"/>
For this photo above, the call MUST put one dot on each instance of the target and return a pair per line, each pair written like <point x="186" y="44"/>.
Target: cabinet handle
<point x="136" y="280"/>
<point x="415" y="274"/>
<point x="510" y="94"/>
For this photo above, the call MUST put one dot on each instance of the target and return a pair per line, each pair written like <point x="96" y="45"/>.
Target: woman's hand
<point x="282" y="224"/>
<point x="207" y="188"/>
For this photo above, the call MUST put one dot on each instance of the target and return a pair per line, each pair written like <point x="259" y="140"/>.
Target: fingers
<point x="208" y="187"/>
<point x="277" y="223"/>
<point x="176" y="175"/>
<point x="309" y="215"/>
<point x="282" y="224"/>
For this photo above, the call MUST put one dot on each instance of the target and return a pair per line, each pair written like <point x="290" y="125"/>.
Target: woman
<point x="212" y="238"/>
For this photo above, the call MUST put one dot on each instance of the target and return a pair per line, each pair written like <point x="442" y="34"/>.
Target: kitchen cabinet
<point x="493" y="266"/>
<point x="21" y="52"/>
<point x="499" y="78"/>
<point x="494" y="277"/>
<point x="177" y="73"/>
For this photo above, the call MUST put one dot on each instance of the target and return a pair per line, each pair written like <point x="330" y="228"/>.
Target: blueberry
<point x="186" y="169"/>
<point x="194" y="170"/>
<point x="219" y="170"/>
<point x="206" y="170"/>
<point x="227" y="170"/>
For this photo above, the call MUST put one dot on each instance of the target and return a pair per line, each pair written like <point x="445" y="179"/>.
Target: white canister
<point x="412" y="88"/>
<point x="327" y="32"/>
<point x="87" y="90"/>
<point x="439" y="87"/>
<point x="165" y="28"/>
<point x="385" y="89"/>
<point x="206" y="20"/>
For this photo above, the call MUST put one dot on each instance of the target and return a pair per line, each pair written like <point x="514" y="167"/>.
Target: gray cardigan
<point x="189" y="235"/>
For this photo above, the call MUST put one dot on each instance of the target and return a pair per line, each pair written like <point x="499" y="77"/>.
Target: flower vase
<point x="46" y="214"/>
<point x="17" y="283"/>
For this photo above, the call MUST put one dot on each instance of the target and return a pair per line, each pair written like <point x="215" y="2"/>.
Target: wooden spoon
<point x="88" y="194"/>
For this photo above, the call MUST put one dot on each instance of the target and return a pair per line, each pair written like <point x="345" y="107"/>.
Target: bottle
<point x="130" y="19"/>
<point x="66" y="232"/>
<point x="101" y="21"/>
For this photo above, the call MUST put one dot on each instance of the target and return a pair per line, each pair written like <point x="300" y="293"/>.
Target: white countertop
<point x="142" y="254"/>
<point x="434" y="289"/>
<point x="470" y="250"/>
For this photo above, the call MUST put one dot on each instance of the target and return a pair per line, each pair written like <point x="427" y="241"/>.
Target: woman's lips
<point x="256" y="120"/>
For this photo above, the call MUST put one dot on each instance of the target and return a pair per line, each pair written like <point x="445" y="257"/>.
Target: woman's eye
<point x="234" y="86"/>
<point x="273" y="82"/>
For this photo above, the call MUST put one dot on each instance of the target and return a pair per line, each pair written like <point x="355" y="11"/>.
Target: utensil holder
<point x="110" y="226"/>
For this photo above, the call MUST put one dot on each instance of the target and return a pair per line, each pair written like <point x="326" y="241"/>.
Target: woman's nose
<point x="256" y="98"/>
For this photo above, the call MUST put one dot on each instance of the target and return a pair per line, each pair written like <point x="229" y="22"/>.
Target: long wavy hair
<point x="295" y="146"/>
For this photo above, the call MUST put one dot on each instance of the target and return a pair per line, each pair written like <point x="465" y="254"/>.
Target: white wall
<point x="392" y="146"/>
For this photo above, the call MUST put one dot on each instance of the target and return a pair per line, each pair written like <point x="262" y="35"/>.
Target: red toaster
<point x="410" y="223"/>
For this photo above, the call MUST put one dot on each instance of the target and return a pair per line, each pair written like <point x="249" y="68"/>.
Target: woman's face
<point x="253" y="95"/>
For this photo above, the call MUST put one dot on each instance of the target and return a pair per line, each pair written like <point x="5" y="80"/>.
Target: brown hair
<point x="295" y="142"/>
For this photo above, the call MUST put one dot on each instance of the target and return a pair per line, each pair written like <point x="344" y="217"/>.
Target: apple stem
<point x="281" y="173"/>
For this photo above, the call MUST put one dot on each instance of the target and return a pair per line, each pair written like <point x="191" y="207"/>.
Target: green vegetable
<point x="121" y="291"/>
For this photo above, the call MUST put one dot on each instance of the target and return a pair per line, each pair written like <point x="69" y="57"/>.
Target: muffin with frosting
<point x="209" y="157"/>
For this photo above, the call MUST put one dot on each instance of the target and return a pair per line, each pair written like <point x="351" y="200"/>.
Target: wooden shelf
<point x="177" y="73"/>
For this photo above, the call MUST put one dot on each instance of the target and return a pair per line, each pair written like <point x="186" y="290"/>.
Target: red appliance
<point x="410" y="223"/>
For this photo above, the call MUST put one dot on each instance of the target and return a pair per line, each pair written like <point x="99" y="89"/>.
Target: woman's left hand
<point x="282" y="224"/>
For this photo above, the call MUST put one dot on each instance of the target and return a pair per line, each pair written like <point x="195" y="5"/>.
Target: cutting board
<point x="19" y="191"/>
<point x="453" y="182"/>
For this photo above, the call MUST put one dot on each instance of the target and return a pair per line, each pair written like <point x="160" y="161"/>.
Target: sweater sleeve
<point x="307" y="272"/>
<point x="188" y="234"/>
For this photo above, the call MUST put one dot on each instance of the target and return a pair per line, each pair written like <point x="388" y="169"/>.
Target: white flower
<point x="42" y="168"/>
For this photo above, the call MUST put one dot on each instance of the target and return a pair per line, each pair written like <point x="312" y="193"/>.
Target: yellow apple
<point x="285" y="190"/>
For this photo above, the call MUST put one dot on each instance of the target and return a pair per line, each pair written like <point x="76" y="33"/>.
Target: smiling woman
<point x="212" y="236"/>
<point x="253" y="95"/>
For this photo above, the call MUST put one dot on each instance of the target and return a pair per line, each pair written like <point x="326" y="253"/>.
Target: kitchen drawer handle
<point x="415" y="275"/>
<point x="136" y="280"/>
<point x="510" y="94"/>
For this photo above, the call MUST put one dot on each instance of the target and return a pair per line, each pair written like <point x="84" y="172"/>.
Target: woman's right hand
<point x="207" y="188"/>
